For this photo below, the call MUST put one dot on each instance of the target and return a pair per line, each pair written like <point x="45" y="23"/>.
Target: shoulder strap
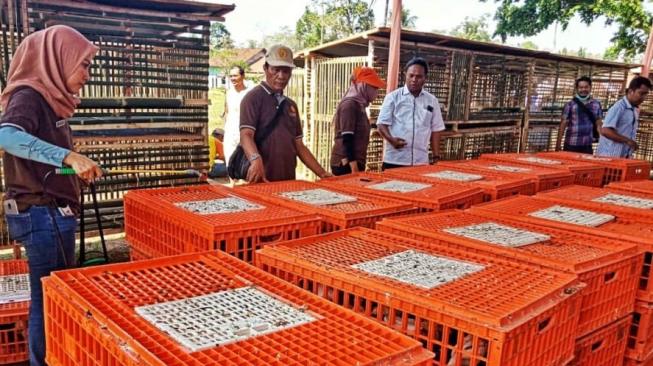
<point x="585" y="110"/>
<point x="259" y="138"/>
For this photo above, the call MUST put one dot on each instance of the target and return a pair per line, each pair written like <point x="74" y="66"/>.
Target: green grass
<point x="216" y="108"/>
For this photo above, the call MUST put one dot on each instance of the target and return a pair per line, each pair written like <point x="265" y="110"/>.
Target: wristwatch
<point x="254" y="157"/>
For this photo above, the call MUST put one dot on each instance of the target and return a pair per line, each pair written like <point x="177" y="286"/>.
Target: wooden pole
<point x="395" y="45"/>
<point x="648" y="55"/>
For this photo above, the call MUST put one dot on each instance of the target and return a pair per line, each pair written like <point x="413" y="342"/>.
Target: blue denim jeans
<point x="35" y="229"/>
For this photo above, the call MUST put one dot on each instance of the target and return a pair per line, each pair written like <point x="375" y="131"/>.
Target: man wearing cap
<point x="352" y="128"/>
<point x="410" y="118"/>
<point x="275" y="158"/>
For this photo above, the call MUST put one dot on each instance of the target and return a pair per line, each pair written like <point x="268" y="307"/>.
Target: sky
<point x="254" y="18"/>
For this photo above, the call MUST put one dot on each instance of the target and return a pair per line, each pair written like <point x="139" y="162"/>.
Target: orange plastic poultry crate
<point x="609" y="267"/>
<point x="616" y="169"/>
<point x="615" y="225"/>
<point x="640" y="337"/>
<point x="428" y="196"/>
<point x="636" y="205"/>
<point x="604" y="347"/>
<point x="544" y="178"/>
<point x="206" y="309"/>
<point x="585" y="173"/>
<point x="635" y="186"/>
<point x="357" y="209"/>
<point x="214" y="218"/>
<point x="494" y="313"/>
<point x="494" y="186"/>
<point x="13" y="318"/>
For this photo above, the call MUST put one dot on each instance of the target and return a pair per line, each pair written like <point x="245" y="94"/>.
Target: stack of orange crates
<point x="605" y="222"/>
<point x="609" y="267"/>
<point x="544" y="178"/>
<point x="585" y="173"/>
<point x="171" y="221"/>
<point x="634" y="222"/>
<point x="494" y="185"/>
<point x="428" y="196"/>
<point x="616" y="169"/>
<point x="14" y="312"/>
<point x="204" y="309"/>
<point x="342" y="208"/>
<point x="468" y="308"/>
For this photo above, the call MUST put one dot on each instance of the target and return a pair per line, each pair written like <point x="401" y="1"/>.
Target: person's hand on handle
<point x="632" y="144"/>
<point x="86" y="169"/>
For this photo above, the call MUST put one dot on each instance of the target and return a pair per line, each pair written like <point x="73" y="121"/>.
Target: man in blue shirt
<point x="581" y="119"/>
<point x="621" y="122"/>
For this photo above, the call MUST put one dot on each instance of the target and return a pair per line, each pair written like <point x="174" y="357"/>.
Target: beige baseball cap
<point x="279" y="55"/>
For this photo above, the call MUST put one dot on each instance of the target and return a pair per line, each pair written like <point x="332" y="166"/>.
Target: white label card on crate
<point x="573" y="216"/>
<point x="318" y="197"/>
<point x="14" y="288"/>
<point x="218" y="206"/>
<point x="453" y="175"/>
<point x="220" y="318"/>
<point x="494" y="233"/>
<point x="399" y="186"/>
<point x="418" y="269"/>
<point x="592" y="157"/>
<point x="509" y="168"/>
<point x="536" y="160"/>
<point x="623" y="200"/>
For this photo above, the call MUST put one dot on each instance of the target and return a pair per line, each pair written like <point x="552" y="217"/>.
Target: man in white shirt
<point x="410" y="119"/>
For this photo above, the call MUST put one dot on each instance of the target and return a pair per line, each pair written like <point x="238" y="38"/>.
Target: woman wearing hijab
<point x="47" y="71"/>
<point x="352" y="128"/>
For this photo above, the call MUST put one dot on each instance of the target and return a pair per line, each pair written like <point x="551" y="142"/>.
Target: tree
<point x="284" y="35"/>
<point x="328" y="20"/>
<point x="220" y="37"/>
<point x="475" y="29"/>
<point x="407" y="20"/>
<point x="529" y="17"/>
<point x="529" y="45"/>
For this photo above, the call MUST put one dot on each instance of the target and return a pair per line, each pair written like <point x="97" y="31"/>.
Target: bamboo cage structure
<point x="146" y="103"/>
<point x="493" y="98"/>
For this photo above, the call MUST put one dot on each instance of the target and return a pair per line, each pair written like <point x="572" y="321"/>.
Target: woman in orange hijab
<point x="47" y="71"/>
<point x="352" y="127"/>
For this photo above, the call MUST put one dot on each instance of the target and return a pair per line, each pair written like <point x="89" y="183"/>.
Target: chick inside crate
<point x="338" y="207"/>
<point x="206" y="309"/>
<point x="428" y="196"/>
<point x="608" y="266"/>
<point x="467" y="309"/>
<point x="171" y="221"/>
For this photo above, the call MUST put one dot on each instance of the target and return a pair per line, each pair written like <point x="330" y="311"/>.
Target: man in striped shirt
<point x="621" y="122"/>
<point x="581" y="117"/>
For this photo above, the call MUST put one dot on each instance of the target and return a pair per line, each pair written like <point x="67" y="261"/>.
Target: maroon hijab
<point x="44" y="61"/>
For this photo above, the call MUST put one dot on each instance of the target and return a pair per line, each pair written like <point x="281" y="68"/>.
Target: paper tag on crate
<point x="623" y="200"/>
<point x="536" y="160"/>
<point x="399" y="186"/>
<point x="318" y="197"/>
<point x="592" y="157"/>
<point x="219" y="206"/>
<point x="419" y="269"/>
<point x="14" y="288"/>
<point x="494" y="233"/>
<point x="509" y="168"/>
<point x="572" y="216"/>
<point x="453" y="175"/>
<point x="220" y="318"/>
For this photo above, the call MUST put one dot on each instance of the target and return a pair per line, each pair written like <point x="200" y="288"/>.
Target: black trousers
<point x="391" y="166"/>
